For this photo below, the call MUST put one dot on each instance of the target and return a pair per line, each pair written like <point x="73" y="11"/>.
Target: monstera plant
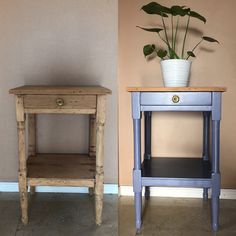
<point x="171" y="45"/>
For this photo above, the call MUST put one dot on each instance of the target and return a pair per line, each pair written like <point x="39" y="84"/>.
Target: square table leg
<point x="148" y="143"/>
<point x="32" y="140"/>
<point x="206" y="144"/>
<point x="92" y="141"/>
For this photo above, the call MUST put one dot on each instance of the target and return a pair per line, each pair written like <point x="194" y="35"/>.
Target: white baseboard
<point x="124" y="190"/>
<point x="13" y="187"/>
<point x="177" y="192"/>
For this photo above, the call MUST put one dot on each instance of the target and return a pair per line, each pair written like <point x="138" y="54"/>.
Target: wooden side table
<point x="177" y="172"/>
<point x="60" y="169"/>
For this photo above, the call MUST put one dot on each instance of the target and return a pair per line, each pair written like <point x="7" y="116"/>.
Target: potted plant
<point x="175" y="63"/>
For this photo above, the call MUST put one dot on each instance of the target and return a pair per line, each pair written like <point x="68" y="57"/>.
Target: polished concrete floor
<point x="176" y="217"/>
<point x="73" y="215"/>
<point x="57" y="214"/>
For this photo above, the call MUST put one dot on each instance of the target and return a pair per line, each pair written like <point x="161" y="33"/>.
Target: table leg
<point x="147" y="147"/>
<point x="137" y="173"/>
<point x="216" y="178"/>
<point x="206" y="136"/>
<point x="92" y="141"/>
<point x="23" y="188"/>
<point x="32" y="140"/>
<point x="100" y="122"/>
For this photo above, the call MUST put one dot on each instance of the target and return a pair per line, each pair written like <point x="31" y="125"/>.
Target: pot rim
<point x="175" y="60"/>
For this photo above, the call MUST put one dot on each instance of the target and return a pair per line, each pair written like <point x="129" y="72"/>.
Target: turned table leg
<point x="100" y="122"/>
<point x="20" y="117"/>
<point x="216" y="176"/>
<point x="32" y="140"/>
<point x="137" y="178"/>
<point x="92" y="141"/>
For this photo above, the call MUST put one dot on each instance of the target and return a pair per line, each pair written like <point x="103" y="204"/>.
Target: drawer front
<point x="60" y="101"/>
<point x="176" y="99"/>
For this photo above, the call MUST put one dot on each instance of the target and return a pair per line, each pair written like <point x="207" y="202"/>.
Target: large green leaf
<point x="209" y="39"/>
<point x="161" y="53"/>
<point x="197" y="15"/>
<point x="155" y="30"/>
<point x="179" y="10"/>
<point x="148" y="49"/>
<point x="156" y="8"/>
<point x="191" y="54"/>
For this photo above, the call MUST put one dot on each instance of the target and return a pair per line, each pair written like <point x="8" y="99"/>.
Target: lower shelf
<point x="179" y="172"/>
<point x="61" y="170"/>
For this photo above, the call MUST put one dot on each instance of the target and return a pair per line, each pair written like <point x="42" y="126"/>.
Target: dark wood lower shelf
<point x="165" y="167"/>
<point x="61" y="170"/>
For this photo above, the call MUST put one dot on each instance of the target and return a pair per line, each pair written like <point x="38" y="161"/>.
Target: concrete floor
<point x="176" y="217"/>
<point x="57" y="214"/>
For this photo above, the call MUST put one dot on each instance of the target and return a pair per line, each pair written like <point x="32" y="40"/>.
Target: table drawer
<point x="176" y="99"/>
<point x="59" y="101"/>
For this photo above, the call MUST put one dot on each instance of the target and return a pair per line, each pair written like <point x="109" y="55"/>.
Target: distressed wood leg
<point x="147" y="147"/>
<point x="22" y="174"/>
<point x="206" y="138"/>
<point x="92" y="141"/>
<point x="91" y="191"/>
<point x="92" y="135"/>
<point x="32" y="140"/>
<point x="100" y="122"/>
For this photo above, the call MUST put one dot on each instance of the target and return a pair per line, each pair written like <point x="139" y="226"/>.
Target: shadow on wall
<point x="62" y="74"/>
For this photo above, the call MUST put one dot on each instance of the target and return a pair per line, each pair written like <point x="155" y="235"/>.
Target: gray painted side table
<point x="201" y="172"/>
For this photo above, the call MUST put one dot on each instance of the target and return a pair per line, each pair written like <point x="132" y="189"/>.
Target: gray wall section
<point x="57" y="42"/>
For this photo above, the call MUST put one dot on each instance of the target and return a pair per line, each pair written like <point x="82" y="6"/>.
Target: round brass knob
<point x="60" y="102"/>
<point x="175" y="99"/>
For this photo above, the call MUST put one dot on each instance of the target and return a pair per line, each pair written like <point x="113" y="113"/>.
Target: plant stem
<point x="195" y="47"/>
<point x="172" y="31"/>
<point x="167" y="41"/>
<point x="163" y="39"/>
<point x="176" y="29"/>
<point x="185" y="35"/>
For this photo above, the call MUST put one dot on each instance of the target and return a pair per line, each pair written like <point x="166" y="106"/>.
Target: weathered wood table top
<point x="60" y="90"/>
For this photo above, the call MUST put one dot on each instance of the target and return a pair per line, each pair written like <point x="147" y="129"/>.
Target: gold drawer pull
<point x="60" y="102"/>
<point x="175" y="99"/>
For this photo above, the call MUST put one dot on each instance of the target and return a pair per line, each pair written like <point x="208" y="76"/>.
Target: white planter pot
<point x="175" y="72"/>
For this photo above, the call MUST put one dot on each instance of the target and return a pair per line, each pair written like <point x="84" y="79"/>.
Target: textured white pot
<point x="175" y="72"/>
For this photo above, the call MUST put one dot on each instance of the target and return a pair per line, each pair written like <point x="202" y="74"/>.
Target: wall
<point x="57" y="42"/>
<point x="179" y="134"/>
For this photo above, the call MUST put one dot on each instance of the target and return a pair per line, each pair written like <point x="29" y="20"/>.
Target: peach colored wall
<point x="57" y="42"/>
<point x="181" y="132"/>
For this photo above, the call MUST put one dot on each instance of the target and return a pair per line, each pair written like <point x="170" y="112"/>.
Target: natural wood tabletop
<point x="60" y="90"/>
<point x="176" y="89"/>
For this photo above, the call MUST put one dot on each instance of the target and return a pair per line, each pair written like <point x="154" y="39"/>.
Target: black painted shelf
<point x="169" y="167"/>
